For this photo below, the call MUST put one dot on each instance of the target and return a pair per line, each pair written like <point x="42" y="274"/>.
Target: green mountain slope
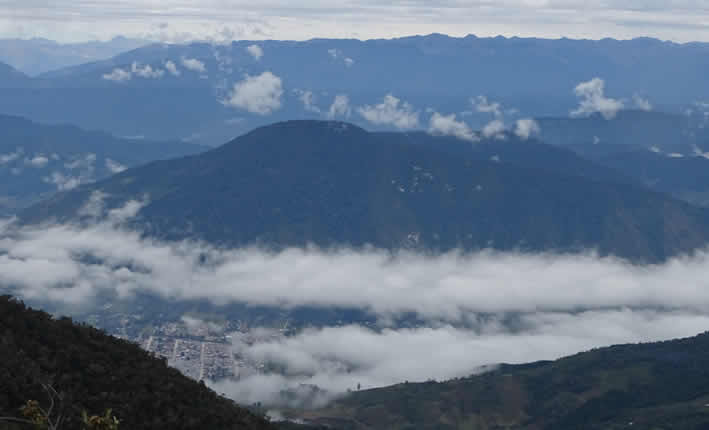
<point x="648" y="386"/>
<point x="95" y="372"/>
<point x="333" y="184"/>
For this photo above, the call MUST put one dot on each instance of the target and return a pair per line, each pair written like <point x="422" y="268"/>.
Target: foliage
<point x="92" y="371"/>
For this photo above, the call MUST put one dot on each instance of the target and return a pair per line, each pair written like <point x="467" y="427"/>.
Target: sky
<point x="220" y="20"/>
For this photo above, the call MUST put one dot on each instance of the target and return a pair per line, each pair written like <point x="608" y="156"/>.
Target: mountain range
<point x="625" y="386"/>
<point x="36" y="56"/>
<point x="186" y="91"/>
<point x="335" y="184"/>
<point x="37" y="160"/>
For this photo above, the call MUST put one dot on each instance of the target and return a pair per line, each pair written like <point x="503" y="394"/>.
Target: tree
<point x="38" y="417"/>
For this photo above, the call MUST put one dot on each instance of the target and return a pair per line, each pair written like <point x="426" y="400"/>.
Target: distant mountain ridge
<point x="335" y="184"/>
<point x="661" y="385"/>
<point x="36" y="56"/>
<point x="37" y="160"/>
<point x="435" y="71"/>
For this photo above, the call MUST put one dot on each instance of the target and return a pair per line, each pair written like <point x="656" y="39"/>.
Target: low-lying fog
<point x="561" y="304"/>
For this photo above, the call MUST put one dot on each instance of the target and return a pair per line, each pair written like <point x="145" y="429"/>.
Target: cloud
<point x="593" y="100"/>
<point x="63" y="182"/>
<point x="12" y="156"/>
<point x="462" y="311"/>
<point x="259" y="94"/>
<point x="114" y="166"/>
<point x="447" y="125"/>
<point x="146" y="71"/>
<point x="255" y="51"/>
<point x="495" y="129"/>
<point x="641" y="103"/>
<point x="483" y="105"/>
<point x="194" y="64"/>
<point x="336" y="54"/>
<point x="391" y="111"/>
<point x="338" y="359"/>
<point x="118" y="75"/>
<point x="340" y="107"/>
<point x="172" y="68"/>
<point x="38" y="161"/>
<point x="227" y="20"/>
<point x="526" y="128"/>
<point x="308" y="100"/>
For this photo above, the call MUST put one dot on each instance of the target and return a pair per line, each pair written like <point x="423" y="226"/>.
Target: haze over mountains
<point x="36" y="56"/>
<point x="38" y="160"/>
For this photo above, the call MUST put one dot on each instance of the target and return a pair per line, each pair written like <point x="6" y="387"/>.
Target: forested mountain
<point x="334" y="184"/>
<point x="94" y="372"/>
<point x="645" y="386"/>
<point x="37" y="160"/>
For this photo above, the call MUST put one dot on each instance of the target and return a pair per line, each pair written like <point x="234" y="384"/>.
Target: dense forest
<point x="82" y="370"/>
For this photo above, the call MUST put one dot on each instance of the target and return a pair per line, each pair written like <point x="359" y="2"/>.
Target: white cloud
<point x="38" y="161"/>
<point x="114" y="166"/>
<point x="340" y="107"/>
<point x="259" y="94"/>
<point x="341" y="358"/>
<point x="641" y="103"/>
<point x="391" y="111"/>
<point x="447" y="125"/>
<point x="308" y="100"/>
<point x="255" y="51"/>
<point x="526" y="128"/>
<point x="118" y="75"/>
<point x="172" y="68"/>
<point x="593" y="100"/>
<point x="483" y="105"/>
<point x="146" y="71"/>
<point x="475" y="309"/>
<point x="63" y="182"/>
<point x="334" y="53"/>
<point x="494" y="129"/>
<point x="194" y="64"/>
<point x="13" y="156"/>
<point x="349" y="62"/>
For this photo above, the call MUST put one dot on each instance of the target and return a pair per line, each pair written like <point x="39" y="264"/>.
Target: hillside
<point x="36" y="160"/>
<point x="95" y="372"/>
<point x="11" y="77"/>
<point x="647" y="386"/>
<point x="333" y="184"/>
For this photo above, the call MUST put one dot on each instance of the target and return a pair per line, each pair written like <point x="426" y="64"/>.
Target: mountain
<point x="334" y="184"/>
<point x="11" y="77"/>
<point x="134" y="93"/>
<point x="36" y="56"/>
<point x="628" y="128"/>
<point x="646" y="386"/>
<point x="94" y="372"/>
<point x="37" y="160"/>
